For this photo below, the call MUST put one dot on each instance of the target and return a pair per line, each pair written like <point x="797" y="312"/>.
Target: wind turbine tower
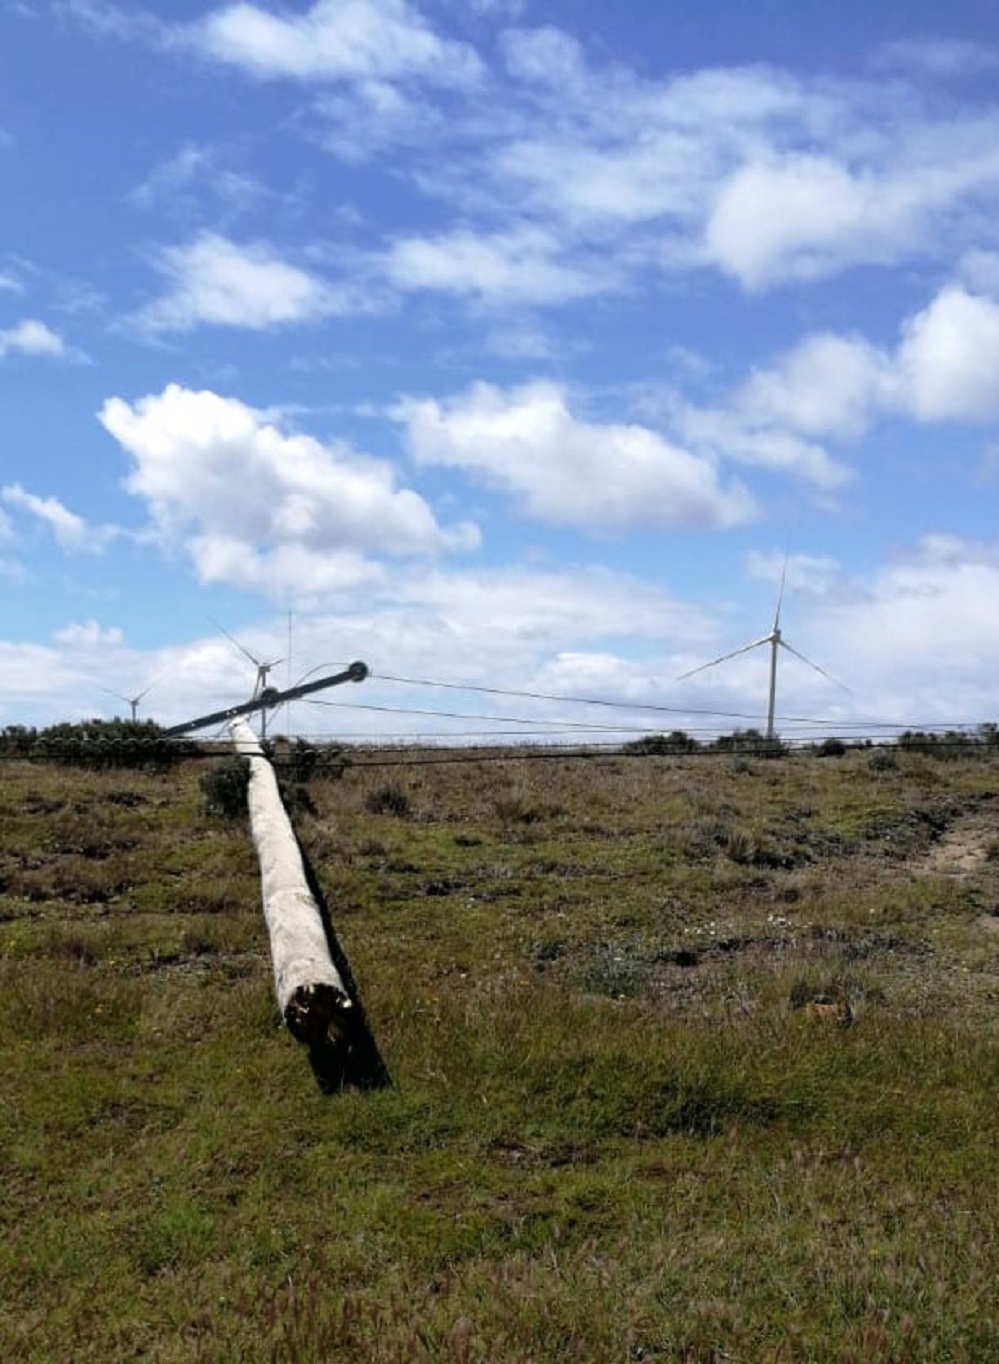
<point x="777" y="642"/>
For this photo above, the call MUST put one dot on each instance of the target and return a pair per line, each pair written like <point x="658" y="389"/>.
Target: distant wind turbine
<point x="263" y="671"/>
<point x="132" y="701"/>
<point x="776" y="641"/>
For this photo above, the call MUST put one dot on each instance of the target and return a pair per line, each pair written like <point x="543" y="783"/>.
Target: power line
<point x="556" y="696"/>
<point x="658" y="708"/>
<point x="584" y="726"/>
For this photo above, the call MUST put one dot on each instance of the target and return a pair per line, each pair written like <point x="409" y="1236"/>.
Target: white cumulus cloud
<point x="948" y="360"/>
<point x="801" y="217"/>
<point x="214" y="281"/>
<point x="826" y="386"/>
<point x="72" y="532"/>
<point x="926" y="624"/>
<point x="89" y="635"/>
<point x="831" y="388"/>
<point x="334" y="40"/>
<point x="256" y="505"/>
<point x="569" y="470"/>
<point x="521" y="265"/>
<point x="31" y="337"/>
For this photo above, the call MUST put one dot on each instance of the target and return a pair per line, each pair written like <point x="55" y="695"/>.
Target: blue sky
<point x="501" y="343"/>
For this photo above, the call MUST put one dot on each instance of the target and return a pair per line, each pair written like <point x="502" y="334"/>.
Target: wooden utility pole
<point x="311" y="994"/>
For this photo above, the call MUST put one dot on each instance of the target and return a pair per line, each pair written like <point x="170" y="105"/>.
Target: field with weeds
<point x="613" y="1129"/>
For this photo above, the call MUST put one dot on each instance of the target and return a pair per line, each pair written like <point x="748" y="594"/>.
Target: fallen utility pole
<point x="267" y="699"/>
<point x="311" y="994"/>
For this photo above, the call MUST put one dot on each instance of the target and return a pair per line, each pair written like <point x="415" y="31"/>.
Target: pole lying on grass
<point x="311" y="994"/>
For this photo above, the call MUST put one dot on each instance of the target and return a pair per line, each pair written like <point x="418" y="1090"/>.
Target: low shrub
<point x="102" y="744"/>
<point x="830" y="748"/>
<point x="388" y="799"/>
<point x="224" y="788"/>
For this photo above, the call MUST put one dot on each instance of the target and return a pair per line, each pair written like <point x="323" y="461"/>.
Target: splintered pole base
<point x="319" y="1016"/>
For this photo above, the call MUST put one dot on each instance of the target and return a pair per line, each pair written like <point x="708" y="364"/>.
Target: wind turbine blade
<point x="815" y="666"/>
<point x="118" y="694"/>
<point x="233" y="640"/>
<point x="780" y="594"/>
<point x="734" y="654"/>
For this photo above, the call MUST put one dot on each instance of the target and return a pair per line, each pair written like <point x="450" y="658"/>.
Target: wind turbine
<point x="776" y="641"/>
<point x="263" y="669"/>
<point x="132" y="701"/>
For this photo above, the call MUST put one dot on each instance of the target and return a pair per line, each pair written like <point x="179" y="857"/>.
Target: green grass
<point x="611" y="1133"/>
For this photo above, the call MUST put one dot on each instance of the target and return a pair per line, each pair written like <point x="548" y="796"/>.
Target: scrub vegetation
<point x="614" y="1130"/>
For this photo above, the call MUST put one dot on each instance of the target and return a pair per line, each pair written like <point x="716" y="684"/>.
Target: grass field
<point x="613" y="1130"/>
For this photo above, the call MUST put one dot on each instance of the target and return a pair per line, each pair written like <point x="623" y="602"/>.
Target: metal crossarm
<point x="268" y="698"/>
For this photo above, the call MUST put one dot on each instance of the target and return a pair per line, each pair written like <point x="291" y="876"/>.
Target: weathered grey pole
<point x="310" y="991"/>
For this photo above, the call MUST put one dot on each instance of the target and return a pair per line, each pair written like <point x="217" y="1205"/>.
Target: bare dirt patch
<point x="962" y="851"/>
<point x="967" y="842"/>
<point x="966" y="852"/>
